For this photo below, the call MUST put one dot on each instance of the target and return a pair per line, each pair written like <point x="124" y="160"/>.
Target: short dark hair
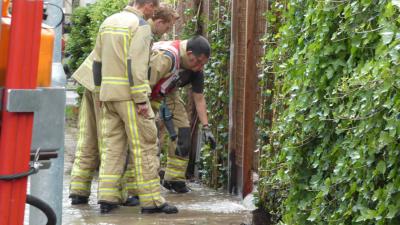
<point x="199" y="45"/>
<point x="142" y="2"/>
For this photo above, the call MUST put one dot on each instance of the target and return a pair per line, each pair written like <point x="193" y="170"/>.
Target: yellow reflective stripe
<point x="80" y="182"/>
<point x="109" y="189"/>
<point x="139" y="91"/>
<point x="103" y="131"/>
<point x="114" y="32"/>
<point x="87" y="172"/>
<point x="148" y="186"/>
<point x="135" y="140"/>
<point x="80" y="188"/>
<point x="97" y="90"/>
<point x="115" y="78"/>
<point x="131" y="184"/>
<point x="140" y="87"/>
<point x="147" y="195"/>
<point x="177" y="162"/>
<point x="115" y="83"/>
<point x="122" y="29"/>
<point x="139" y="151"/>
<point x="176" y="173"/>
<point x="107" y="181"/>
<point x="80" y="185"/>
<point x="125" y="57"/>
<point x="82" y="132"/>
<point x="77" y="171"/>
<point x="110" y="176"/>
<point x="118" y="195"/>
<point x="150" y="199"/>
<point x="173" y="164"/>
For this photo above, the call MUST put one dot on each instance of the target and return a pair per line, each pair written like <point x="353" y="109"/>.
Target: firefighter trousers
<point x="121" y="125"/>
<point x="87" y="155"/>
<point x="178" y="150"/>
<point x="87" y="149"/>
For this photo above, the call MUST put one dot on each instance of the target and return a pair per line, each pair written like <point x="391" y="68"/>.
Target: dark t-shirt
<point x="196" y="79"/>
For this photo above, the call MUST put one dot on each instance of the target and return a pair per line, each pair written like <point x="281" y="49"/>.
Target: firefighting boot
<point x="107" y="207"/>
<point x="164" y="208"/>
<point x="177" y="186"/>
<point x="132" y="201"/>
<point x="78" y="200"/>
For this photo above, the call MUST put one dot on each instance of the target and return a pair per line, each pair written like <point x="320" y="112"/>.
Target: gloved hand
<point x="209" y="137"/>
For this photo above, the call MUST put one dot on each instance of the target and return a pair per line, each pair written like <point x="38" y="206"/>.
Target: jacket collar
<point x="183" y="55"/>
<point x="133" y="10"/>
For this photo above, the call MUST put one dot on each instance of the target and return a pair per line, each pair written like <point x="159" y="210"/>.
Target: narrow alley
<point x="200" y="206"/>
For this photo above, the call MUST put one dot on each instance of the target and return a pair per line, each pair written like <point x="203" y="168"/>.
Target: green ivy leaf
<point x="393" y="211"/>
<point x="381" y="167"/>
<point x="387" y="36"/>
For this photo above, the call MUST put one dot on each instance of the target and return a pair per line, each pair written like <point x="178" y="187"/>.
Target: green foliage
<point x="217" y="95"/>
<point x="101" y="10"/>
<point x="78" y="45"/>
<point x="333" y="150"/>
<point x="85" y="25"/>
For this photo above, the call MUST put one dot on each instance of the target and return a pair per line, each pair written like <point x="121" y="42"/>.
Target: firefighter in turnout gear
<point x="87" y="152"/>
<point x="174" y="64"/>
<point x="120" y="64"/>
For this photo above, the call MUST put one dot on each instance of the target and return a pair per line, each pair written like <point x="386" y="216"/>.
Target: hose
<point x="44" y="207"/>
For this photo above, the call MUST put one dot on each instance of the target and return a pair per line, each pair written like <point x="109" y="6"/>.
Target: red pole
<point x="16" y="128"/>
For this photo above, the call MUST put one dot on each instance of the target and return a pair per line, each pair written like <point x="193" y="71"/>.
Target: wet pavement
<point x="201" y="206"/>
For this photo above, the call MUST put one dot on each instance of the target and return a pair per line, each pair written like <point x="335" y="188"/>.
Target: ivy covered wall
<point x="332" y="155"/>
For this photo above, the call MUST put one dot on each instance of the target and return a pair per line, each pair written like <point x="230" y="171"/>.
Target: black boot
<point x="78" y="200"/>
<point x="107" y="207"/>
<point x="164" y="208"/>
<point x="132" y="201"/>
<point x="161" y="173"/>
<point x="177" y="186"/>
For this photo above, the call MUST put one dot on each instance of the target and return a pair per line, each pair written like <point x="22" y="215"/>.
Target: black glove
<point x="209" y="137"/>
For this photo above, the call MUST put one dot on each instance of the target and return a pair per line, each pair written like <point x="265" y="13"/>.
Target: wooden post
<point x="232" y="170"/>
<point x="250" y="94"/>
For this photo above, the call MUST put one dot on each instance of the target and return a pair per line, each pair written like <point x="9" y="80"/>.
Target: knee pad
<point x="184" y="142"/>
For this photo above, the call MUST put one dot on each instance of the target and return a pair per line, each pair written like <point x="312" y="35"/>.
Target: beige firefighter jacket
<point x="160" y="64"/>
<point x="122" y="52"/>
<point x="84" y="74"/>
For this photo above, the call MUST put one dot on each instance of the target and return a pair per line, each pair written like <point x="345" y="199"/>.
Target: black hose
<point x="31" y="171"/>
<point x="44" y="207"/>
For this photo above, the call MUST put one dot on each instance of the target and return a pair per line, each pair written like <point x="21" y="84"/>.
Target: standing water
<point x="201" y="206"/>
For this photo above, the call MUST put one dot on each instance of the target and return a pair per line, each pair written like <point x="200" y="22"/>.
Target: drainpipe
<point x="51" y="179"/>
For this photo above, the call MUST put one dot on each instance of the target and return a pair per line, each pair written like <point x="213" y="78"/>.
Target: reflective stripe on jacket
<point x="121" y="57"/>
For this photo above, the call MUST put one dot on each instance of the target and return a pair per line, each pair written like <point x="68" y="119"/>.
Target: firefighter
<point x="87" y="157"/>
<point x="176" y="64"/>
<point x="120" y="67"/>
